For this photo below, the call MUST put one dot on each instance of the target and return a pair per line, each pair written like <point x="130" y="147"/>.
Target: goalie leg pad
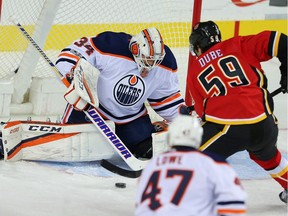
<point x="54" y="142"/>
<point x="160" y="144"/>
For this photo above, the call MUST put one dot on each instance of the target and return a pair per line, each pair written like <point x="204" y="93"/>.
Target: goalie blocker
<point x="83" y="88"/>
<point x="44" y="141"/>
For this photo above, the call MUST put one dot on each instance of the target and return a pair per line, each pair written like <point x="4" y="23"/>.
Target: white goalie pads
<point x="85" y="81"/>
<point x="43" y="141"/>
<point x="54" y="142"/>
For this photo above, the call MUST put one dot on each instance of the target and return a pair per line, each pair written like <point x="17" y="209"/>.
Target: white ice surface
<point x="74" y="189"/>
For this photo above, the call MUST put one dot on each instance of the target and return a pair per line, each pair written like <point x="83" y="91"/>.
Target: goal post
<point x="197" y="8"/>
<point x="31" y="56"/>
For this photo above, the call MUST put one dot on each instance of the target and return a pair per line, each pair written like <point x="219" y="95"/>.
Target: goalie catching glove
<point x="74" y="99"/>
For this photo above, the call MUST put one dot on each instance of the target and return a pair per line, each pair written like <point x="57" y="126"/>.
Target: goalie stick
<point x="134" y="163"/>
<point x="120" y="171"/>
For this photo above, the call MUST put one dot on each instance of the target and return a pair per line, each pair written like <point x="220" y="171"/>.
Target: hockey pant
<point x="258" y="139"/>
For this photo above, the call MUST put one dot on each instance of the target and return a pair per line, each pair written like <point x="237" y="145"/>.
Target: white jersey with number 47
<point x="189" y="182"/>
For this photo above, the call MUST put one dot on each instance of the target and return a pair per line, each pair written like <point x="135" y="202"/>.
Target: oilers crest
<point x="129" y="90"/>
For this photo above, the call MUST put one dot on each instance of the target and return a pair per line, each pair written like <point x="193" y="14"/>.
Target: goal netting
<point x="54" y="24"/>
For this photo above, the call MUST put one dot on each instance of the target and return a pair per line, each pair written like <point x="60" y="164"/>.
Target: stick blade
<point x="120" y="171"/>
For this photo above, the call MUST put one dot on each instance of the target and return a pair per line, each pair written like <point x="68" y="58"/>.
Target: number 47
<point x="152" y="189"/>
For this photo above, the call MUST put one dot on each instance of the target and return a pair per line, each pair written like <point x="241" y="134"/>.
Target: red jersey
<point x="227" y="83"/>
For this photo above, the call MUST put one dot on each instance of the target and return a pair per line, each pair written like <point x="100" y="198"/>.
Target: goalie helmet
<point x="148" y="49"/>
<point x="185" y="130"/>
<point x="204" y="35"/>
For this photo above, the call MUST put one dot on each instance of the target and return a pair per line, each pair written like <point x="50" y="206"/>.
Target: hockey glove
<point x="160" y="126"/>
<point x="186" y="110"/>
<point x="73" y="98"/>
<point x="70" y="75"/>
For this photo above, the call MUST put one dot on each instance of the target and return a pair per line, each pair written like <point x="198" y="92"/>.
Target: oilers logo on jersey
<point x="129" y="90"/>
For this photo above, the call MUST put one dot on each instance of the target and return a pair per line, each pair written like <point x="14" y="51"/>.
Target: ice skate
<point x="284" y="196"/>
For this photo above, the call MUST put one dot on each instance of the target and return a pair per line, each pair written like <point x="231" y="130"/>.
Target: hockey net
<point x="55" y="24"/>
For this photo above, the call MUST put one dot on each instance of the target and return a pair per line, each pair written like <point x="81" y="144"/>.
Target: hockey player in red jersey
<point x="185" y="181"/>
<point x="132" y="70"/>
<point x="229" y="90"/>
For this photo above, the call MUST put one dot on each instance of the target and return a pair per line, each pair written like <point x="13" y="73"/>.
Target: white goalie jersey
<point x="121" y="91"/>
<point x="188" y="182"/>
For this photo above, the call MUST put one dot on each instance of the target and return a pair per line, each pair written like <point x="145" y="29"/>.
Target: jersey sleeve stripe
<point x="273" y="45"/>
<point x="70" y="56"/>
<point x="168" y="106"/>
<point x="276" y="44"/>
<point x="151" y="100"/>
<point x="231" y="211"/>
<point x="230" y="202"/>
<point x="166" y="100"/>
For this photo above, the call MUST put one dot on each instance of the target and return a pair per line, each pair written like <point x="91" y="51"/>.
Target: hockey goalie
<point x="57" y="142"/>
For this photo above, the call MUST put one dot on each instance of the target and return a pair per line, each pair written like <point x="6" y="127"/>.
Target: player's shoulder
<point x="260" y="35"/>
<point x="114" y="43"/>
<point x="169" y="60"/>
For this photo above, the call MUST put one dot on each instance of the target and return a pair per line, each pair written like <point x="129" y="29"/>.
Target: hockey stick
<point x="134" y="163"/>
<point x="275" y="92"/>
<point x="120" y="171"/>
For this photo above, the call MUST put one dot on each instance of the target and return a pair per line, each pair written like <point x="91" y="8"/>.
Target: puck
<point x="120" y="185"/>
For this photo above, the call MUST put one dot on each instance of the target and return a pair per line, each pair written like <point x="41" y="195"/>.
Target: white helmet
<point x="185" y="130"/>
<point x="148" y="49"/>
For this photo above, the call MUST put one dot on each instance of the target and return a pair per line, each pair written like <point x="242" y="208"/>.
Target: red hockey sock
<point x="277" y="167"/>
